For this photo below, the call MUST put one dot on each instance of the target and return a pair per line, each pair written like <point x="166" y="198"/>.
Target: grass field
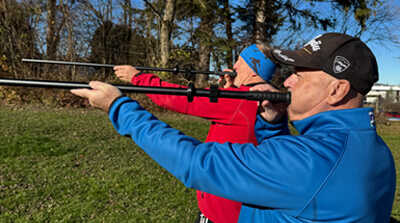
<point x="69" y="165"/>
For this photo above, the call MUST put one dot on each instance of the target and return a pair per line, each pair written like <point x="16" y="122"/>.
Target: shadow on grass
<point x="392" y="220"/>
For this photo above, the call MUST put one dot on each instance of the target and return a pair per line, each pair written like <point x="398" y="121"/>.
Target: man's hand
<point x="100" y="96"/>
<point x="227" y="80"/>
<point x="125" y="72"/>
<point x="271" y="112"/>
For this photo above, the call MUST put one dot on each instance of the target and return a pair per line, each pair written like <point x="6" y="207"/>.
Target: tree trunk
<point x="8" y="29"/>
<point x="109" y="10"/>
<point x="51" y="32"/>
<point x="165" y="32"/>
<point x="229" y="35"/>
<point x="151" y="46"/>
<point x="206" y="29"/>
<point x="65" y="8"/>
<point x="127" y="13"/>
<point x="259" y="23"/>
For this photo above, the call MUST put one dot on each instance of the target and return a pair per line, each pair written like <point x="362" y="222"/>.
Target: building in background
<point x="379" y="92"/>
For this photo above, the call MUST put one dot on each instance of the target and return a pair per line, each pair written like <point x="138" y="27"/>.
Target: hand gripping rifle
<point x="213" y="93"/>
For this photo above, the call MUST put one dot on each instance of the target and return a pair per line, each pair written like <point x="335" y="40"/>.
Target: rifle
<point x="174" y="70"/>
<point x="213" y="93"/>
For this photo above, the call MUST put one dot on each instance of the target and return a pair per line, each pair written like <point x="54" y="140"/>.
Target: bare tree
<point x="260" y="19"/>
<point x="166" y="18"/>
<point x="166" y="29"/>
<point x="206" y="11"/>
<point x="16" y="35"/>
<point x="54" y="26"/>
<point x="381" y="26"/>
<point x="127" y="12"/>
<point x="65" y="9"/>
<point x="227" y="15"/>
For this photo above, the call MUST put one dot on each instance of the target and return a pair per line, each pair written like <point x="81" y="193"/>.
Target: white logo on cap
<point x="340" y="64"/>
<point x="284" y="57"/>
<point x="315" y="45"/>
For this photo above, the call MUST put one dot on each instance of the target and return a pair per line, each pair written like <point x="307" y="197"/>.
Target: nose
<point x="290" y="81"/>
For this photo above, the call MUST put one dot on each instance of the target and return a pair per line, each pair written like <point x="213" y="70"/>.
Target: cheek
<point x="239" y="77"/>
<point x="302" y="98"/>
<point x="309" y="90"/>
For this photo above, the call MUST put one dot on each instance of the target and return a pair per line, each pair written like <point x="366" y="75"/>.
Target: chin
<point x="293" y="116"/>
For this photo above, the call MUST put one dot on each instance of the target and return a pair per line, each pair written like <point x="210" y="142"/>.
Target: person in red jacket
<point x="232" y="120"/>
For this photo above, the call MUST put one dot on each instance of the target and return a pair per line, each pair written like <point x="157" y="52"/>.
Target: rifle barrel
<point x="189" y="92"/>
<point x="173" y="70"/>
<point x="67" y="63"/>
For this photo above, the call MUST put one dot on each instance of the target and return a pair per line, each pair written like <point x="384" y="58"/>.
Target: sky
<point x="388" y="64"/>
<point x="387" y="54"/>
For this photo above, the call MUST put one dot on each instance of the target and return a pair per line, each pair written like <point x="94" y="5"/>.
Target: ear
<point x="338" y="91"/>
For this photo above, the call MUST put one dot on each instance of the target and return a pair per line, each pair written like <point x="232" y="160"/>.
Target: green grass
<point x="391" y="135"/>
<point x="69" y="165"/>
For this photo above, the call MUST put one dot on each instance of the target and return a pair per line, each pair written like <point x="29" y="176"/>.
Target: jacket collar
<point x="356" y="118"/>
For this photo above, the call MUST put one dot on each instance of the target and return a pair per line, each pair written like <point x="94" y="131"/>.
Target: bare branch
<point x="89" y="6"/>
<point x="152" y="8"/>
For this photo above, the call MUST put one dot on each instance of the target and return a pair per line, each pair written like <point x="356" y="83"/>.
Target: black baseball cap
<point x="340" y="55"/>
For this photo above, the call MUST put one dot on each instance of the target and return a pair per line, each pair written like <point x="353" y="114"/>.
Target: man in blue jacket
<point x="336" y="170"/>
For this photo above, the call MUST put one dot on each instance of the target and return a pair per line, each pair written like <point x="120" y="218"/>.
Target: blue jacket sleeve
<point x="272" y="174"/>
<point x="265" y="130"/>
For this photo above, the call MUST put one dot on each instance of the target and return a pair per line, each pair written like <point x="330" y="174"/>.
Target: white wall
<point x="382" y="91"/>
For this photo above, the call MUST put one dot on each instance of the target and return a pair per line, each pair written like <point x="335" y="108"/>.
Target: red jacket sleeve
<point x="200" y="106"/>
